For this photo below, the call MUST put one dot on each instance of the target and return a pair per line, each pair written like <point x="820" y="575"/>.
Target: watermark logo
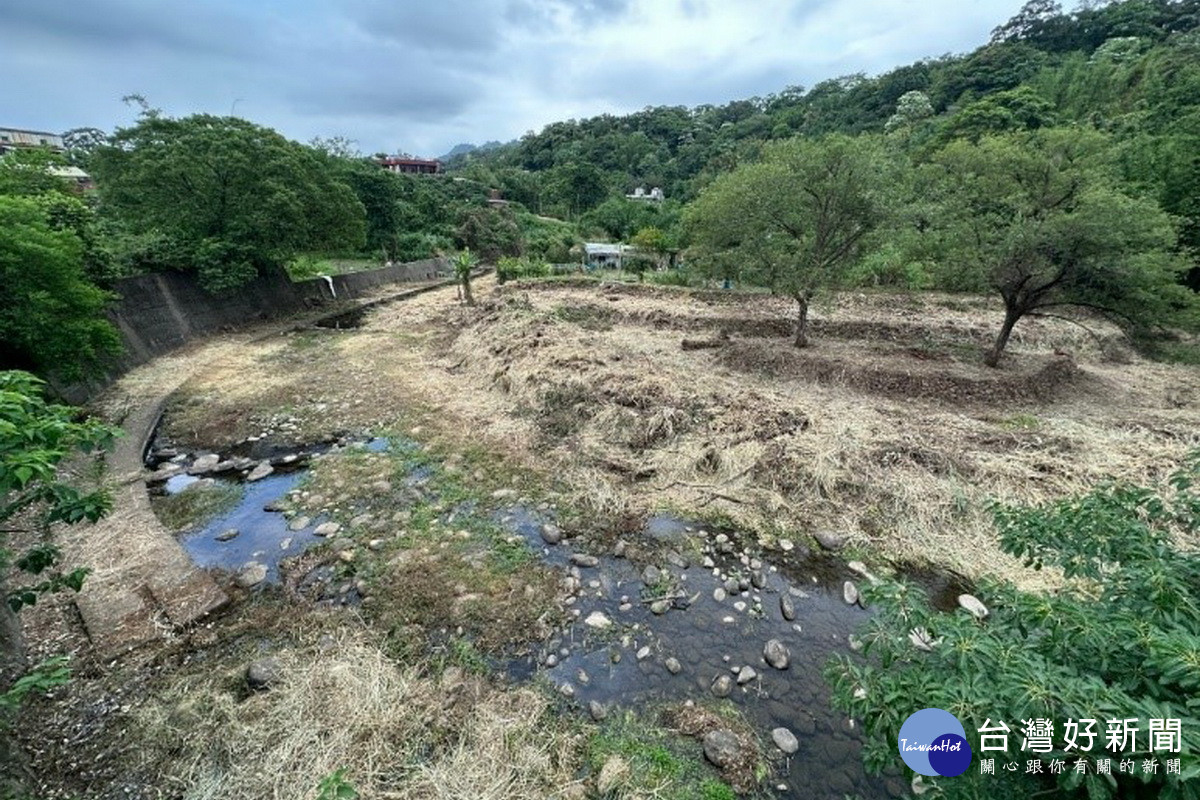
<point x="934" y="743"/>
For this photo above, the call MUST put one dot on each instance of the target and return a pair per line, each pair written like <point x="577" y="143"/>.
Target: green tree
<point x="80" y="143"/>
<point x="616" y="218"/>
<point x="653" y="242"/>
<point x="491" y="233"/>
<point x="464" y="263"/>
<point x="795" y="221"/>
<point x="28" y="172"/>
<point x="911" y="109"/>
<point x="579" y="186"/>
<point x="53" y="319"/>
<point x="1038" y="219"/>
<point x="1003" y="112"/>
<point x="1120" y="639"/>
<point x="229" y="198"/>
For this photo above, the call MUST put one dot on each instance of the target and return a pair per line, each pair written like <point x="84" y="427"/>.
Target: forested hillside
<point x="1128" y="69"/>
<point x="1058" y="164"/>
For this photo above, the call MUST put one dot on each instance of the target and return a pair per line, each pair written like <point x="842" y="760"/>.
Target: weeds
<point x="661" y="764"/>
<point x="196" y="504"/>
<point x="1021" y="422"/>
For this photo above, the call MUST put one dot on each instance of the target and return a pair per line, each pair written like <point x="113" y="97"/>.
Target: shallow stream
<point x="720" y="607"/>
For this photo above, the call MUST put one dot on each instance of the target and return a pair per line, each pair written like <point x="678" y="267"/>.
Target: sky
<point x="420" y="77"/>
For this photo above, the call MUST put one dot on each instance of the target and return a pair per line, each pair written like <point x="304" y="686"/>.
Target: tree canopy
<point x="796" y="220"/>
<point x="53" y="321"/>
<point x="1038" y="219"/>
<point x="223" y="197"/>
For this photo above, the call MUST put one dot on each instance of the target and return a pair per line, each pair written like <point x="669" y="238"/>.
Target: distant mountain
<point x="466" y="147"/>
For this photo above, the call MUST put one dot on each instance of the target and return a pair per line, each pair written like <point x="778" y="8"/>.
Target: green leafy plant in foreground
<point x="335" y="786"/>
<point x="1120" y="640"/>
<point x="49" y="674"/>
<point x="35" y="437"/>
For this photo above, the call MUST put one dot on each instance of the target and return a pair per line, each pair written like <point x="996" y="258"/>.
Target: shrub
<point x="1120" y="640"/>
<point x="511" y="269"/>
<point x="35" y="437"/>
<point x="669" y="277"/>
<point x="303" y="267"/>
<point x="889" y="266"/>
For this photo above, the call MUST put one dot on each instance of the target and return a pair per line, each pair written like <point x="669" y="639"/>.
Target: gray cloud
<point x="121" y="24"/>
<point x="425" y="75"/>
<point x="466" y="25"/>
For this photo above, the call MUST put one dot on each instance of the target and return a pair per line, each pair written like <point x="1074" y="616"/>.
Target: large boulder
<point x="722" y="748"/>
<point x="776" y="654"/>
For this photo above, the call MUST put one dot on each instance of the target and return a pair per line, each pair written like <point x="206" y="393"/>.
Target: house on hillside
<point x="411" y="166"/>
<point x="601" y="255"/>
<point x="13" y="138"/>
<point x="654" y="196"/>
<point x="77" y="178"/>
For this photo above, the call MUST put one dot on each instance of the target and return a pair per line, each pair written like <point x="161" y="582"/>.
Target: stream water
<point x="709" y="632"/>
<point x="262" y="536"/>
<point x="722" y="608"/>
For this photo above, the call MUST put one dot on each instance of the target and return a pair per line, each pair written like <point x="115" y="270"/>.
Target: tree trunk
<point x="801" y="321"/>
<point x="1011" y="315"/>
<point x="468" y="298"/>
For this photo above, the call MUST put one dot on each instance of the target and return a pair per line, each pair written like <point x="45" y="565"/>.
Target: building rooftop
<point x="30" y="132"/>
<point x="605" y="249"/>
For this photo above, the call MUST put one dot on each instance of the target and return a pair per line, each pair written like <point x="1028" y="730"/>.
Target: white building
<point x="655" y="196"/>
<point x="12" y="138"/>
<point x="605" y="256"/>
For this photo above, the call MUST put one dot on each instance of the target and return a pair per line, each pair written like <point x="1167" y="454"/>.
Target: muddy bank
<point x="912" y="375"/>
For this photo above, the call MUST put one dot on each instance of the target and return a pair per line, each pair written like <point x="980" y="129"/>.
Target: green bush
<point x="511" y="269"/>
<point x="889" y="266"/>
<point x="669" y="277"/>
<point x="419" y="246"/>
<point x="1119" y="640"/>
<point x="304" y="267"/>
<point x="36" y="437"/>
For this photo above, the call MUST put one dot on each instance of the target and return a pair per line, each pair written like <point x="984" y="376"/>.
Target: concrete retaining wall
<point x="160" y="312"/>
<point x="355" y="284"/>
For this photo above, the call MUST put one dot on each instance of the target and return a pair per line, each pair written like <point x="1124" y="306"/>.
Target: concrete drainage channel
<point x="716" y="623"/>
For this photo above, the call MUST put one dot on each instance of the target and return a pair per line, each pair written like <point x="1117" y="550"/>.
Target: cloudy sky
<point x="423" y="75"/>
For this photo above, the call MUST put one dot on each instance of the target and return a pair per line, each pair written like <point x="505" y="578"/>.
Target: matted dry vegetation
<point x="888" y="430"/>
<point x="340" y="704"/>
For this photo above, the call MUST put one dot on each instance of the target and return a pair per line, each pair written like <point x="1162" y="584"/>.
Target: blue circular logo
<point x="933" y="742"/>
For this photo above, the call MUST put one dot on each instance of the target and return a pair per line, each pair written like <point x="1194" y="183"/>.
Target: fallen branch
<point x="718" y="496"/>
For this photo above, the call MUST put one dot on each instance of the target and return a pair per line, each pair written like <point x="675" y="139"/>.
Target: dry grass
<point x="343" y="705"/>
<point x="589" y="384"/>
<point x="590" y="388"/>
<point x="638" y="423"/>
